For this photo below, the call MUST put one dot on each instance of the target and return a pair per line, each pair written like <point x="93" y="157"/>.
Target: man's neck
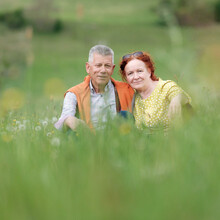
<point x="99" y="88"/>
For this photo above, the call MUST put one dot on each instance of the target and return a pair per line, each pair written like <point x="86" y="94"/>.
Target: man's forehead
<point x="99" y="57"/>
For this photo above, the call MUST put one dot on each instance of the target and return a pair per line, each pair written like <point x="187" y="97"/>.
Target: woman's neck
<point x="147" y="91"/>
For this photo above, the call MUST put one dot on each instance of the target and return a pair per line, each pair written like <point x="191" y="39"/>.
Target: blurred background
<point x="119" y="173"/>
<point x="44" y="44"/>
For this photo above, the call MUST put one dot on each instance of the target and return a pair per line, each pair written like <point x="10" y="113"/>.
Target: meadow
<point x="118" y="172"/>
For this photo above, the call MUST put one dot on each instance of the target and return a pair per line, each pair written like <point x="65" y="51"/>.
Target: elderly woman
<point x="156" y="101"/>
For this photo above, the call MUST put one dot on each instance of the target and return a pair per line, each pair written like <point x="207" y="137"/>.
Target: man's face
<point x="100" y="70"/>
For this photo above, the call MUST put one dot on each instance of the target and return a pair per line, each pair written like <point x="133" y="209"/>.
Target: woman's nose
<point x="136" y="75"/>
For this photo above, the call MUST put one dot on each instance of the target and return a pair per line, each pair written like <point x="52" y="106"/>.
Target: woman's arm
<point x="175" y="107"/>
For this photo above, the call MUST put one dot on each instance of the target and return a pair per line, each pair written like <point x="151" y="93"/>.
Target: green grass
<point x="118" y="172"/>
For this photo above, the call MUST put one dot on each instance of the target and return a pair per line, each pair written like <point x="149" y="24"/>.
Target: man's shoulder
<point x="81" y="87"/>
<point x="121" y="85"/>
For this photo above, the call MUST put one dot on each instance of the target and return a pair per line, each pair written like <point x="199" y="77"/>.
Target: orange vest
<point x="124" y="95"/>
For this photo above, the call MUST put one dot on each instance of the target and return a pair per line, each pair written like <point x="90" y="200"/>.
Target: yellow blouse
<point x="152" y="112"/>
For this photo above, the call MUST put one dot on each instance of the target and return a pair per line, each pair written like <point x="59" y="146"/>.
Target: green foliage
<point x="217" y="11"/>
<point x="187" y="12"/>
<point x="18" y="19"/>
<point x="13" y="19"/>
<point x="42" y="16"/>
<point x="58" y="26"/>
<point x="14" y="54"/>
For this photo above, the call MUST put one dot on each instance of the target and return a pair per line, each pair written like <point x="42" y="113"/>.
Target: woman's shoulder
<point x="166" y="84"/>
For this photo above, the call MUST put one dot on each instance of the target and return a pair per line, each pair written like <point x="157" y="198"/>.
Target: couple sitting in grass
<point x="153" y="102"/>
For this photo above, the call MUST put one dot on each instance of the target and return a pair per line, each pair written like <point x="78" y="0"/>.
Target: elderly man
<point x="99" y="97"/>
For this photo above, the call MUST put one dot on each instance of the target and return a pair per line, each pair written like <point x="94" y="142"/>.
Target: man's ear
<point x="87" y="67"/>
<point x="113" y="67"/>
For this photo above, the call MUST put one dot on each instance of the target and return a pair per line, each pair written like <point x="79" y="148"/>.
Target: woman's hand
<point x="175" y="107"/>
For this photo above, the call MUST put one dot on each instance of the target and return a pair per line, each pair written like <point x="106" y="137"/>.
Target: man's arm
<point x="67" y="117"/>
<point x="72" y="122"/>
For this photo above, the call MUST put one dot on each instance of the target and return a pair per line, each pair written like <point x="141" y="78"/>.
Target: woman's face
<point x="137" y="74"/>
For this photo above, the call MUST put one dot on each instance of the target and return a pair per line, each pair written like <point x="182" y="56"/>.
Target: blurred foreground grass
<point x="117" y="173"/>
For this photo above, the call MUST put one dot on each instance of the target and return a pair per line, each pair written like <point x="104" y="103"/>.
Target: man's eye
<point x="108" y="66"/>
<point x="98" y="65"/>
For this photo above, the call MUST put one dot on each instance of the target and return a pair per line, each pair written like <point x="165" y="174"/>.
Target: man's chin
<point x="103" y="81"/>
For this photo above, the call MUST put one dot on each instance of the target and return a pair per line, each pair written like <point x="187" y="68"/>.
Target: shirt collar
<point x="107" y="87"/>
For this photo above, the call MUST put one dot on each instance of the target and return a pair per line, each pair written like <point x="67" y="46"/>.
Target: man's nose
<point x="103" y="69"/>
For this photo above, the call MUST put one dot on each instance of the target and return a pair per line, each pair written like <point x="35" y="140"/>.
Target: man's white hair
<point x="102" y="50"/>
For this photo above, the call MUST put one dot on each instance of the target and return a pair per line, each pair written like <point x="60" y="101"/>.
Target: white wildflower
<point x="9" y="128"/>
<point x="55" y="141"/>
<point x="49" y="134"/>
<point x="37" y="128"/>
<point x="17" y="122"/>
<point x="22" y="127"/>
<point x="44" y="123"/>
<point x="54" y="119"/>
<point x="26" y="121"/>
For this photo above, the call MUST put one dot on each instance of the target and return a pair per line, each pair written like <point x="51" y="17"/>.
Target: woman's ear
<point x="149" y="71"/>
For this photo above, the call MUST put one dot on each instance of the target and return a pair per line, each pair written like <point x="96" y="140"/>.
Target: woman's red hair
<point x="145" y="57"/>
